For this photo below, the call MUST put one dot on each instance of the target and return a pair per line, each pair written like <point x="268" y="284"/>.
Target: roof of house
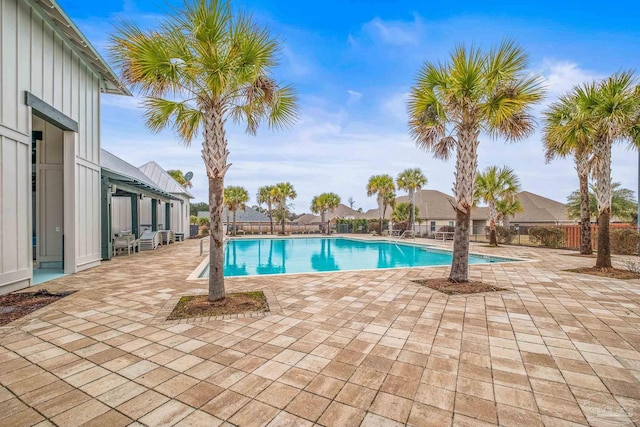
<point x="432" y="205"/>
<point x="307" y="219"/>
<point x="540" y="209"/>
<point x="247" y="215"/>
<point x="165" y="181"/>
<point x="343" y="211"/>
<point x="64" y="26"/>
<point x="125" y="172"/>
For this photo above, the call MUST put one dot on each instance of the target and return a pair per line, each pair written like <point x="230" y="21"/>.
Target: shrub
<point x="505" y="234"/>
<point x="550" y="237"/>
<point x="624" y="241"/>
<point x="204" y="230"/>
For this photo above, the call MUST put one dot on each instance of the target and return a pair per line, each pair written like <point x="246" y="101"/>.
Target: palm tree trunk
<point x="282" y="209"/>
<point x="234" y="223"/>
<point x="466" y="167"/>
<point x="216" y="240"/>
<point x="270" y="216"/>
<point x="214" y="154"/>
<point x="322" y="222"/>
<point x="585" y="215"/>
<point x="412" y="195"/>
<point x="493" y="238"/>
<point x="380" y="211"/>
<point x="602" y="152"/>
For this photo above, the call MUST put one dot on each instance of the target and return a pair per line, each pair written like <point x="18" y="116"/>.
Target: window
<point x="433" y="226"/>
<point x="451" y="223"/>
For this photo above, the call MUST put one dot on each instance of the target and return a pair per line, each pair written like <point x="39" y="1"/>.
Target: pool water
<point x="245" y="257"/>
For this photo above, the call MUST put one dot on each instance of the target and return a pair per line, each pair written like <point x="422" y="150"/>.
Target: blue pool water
<point x="277" y="256"/>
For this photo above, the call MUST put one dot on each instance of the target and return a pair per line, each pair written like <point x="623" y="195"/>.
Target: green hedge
<point x="547" y="236"/>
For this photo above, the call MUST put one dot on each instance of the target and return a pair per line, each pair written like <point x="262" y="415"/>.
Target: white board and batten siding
<point x="36" y="59"/>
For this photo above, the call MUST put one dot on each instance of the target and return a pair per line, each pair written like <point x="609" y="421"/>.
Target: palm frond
<point x="185" y="120"/>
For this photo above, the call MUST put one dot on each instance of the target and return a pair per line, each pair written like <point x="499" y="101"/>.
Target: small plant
<point x="547" y="236"/>
<point x="631" y="265"/>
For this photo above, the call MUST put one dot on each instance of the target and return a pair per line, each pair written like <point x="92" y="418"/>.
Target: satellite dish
<point x="188" y="176"/>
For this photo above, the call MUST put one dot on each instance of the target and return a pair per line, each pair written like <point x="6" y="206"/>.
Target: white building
<point x="177" y="214"/>
<point x="51" y="81"/>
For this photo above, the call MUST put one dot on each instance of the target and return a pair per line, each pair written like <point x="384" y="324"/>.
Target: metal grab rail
<point x="201" y="242"/>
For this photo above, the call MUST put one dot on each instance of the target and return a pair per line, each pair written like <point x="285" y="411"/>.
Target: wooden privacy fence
<point x="572" y="234"/>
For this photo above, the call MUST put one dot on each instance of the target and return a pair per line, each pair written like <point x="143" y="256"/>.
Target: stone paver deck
<point x="367" y="348"/>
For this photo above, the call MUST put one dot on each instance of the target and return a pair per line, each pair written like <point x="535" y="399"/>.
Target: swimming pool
<point x="245" y="257"/>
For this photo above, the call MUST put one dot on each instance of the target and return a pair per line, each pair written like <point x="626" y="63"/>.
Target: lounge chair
<point x="150" y="240"/>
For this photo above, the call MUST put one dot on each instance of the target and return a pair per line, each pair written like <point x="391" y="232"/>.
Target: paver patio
<point x="367" y="348"/>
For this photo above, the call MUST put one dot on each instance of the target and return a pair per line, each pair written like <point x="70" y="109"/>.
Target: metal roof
<point x="64" y="26"/>
<point x="119" y="170"/>
<point x="247" y="215"/>
<point x="162" y="179"/>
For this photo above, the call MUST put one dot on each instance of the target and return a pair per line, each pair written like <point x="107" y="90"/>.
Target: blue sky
<point x="353" y="63"/>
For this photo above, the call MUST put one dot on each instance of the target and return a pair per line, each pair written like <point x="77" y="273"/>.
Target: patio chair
<point x="122" y="243"/>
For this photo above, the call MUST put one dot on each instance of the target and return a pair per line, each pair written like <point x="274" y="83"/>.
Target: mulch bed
<point x="611" y="273"/>
<point x="450" y="288"/>
<point x="236" y="303"/>
<point x="16" y="305"/>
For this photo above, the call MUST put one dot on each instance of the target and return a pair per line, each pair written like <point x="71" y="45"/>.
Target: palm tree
<point x="202" y="66"/>
<point x="265" y="195"/>
<point x="623" y="203"/>
<point x="411" y="180"/>
<point x="235" y="198"/>
<point x="614" y="109"/>
<point x="324" y="203"/>
<point x="402" y="214"/>
<point x="506" y="209"/>
<point x="493" y="185"/>
<point x="451" y="103"/>
<point x="179" y="178"/>
<point x="282" y="192"/>
<point x="383" y="188"/>
<point x="568" y="131"/>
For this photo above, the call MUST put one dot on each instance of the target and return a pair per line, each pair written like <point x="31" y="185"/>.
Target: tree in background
<point x="201" y="67"/>
<point x="402" y="214"/>
<point x="265" y="196"/>
<point x="351" y="202"/>
<point x="281" y="193"/>
<point x="567" y="132"/>
<point x="179" y="177"/>
<point x="623" y="204"/>
<point x="198" y="207"/>
<point x="323" y="203"/>
<point x="507" y="209"/>
<point x="411" y="180"/>
<point x="235" y="198"/>
<point x="451" y="103"/>
<point x="492" y="186"/>
<point x="384" y="189"/>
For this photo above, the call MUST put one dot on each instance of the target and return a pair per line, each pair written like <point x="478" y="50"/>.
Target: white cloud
<point x="397" y="33"/>
<point x="353" y="97"/>
<point x="395" y="106"/>
<point x="561" y="76"/>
